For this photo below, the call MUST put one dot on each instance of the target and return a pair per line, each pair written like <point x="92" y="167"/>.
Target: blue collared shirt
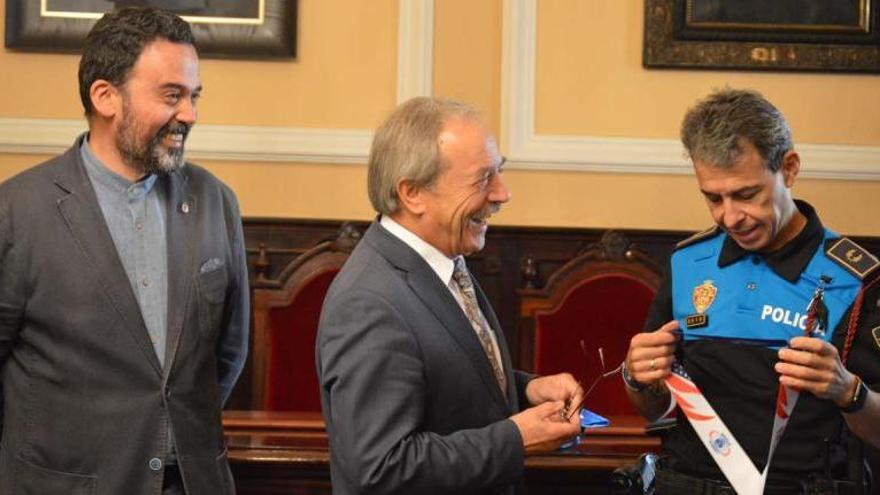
<point x="135" y="215"/>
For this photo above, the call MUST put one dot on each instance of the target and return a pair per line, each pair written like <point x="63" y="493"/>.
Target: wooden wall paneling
<point x="499" y="267"/>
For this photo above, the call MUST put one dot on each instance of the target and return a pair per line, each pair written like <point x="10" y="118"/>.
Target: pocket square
<point x="211" y="265"/>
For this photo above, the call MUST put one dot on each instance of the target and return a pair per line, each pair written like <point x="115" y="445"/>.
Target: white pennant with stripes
<point x="736" y="465"/>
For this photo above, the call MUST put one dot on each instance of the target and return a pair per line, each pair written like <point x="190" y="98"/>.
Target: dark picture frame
<point x="268" y="33"/>
<point x="693" y="34"/>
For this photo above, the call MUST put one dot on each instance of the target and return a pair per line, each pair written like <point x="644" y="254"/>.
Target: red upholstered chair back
<point x="601" y="297"/>
<point x="286" y="314"/>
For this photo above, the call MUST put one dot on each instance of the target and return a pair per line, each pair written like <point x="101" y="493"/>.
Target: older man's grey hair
<point x="714" y="129"/>
<point x="407" y="147"/>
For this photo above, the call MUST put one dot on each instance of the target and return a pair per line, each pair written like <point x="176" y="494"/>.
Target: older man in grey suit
<point x="123" y="286"/>
<point x="417" y="385"/>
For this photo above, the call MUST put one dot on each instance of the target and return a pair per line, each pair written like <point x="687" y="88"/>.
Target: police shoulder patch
<point x="699" y="236"/>
<point x="856" y="259"/>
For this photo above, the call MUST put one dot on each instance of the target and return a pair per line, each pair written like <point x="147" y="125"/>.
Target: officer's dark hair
<point x="116" y="41"/>
<point x="712" y="130"/>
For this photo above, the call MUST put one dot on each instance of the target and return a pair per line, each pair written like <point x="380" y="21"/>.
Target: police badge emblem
<point x="703" y="297"/>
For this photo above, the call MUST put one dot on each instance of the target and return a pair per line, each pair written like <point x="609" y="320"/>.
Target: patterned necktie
<point x="481" y="326"/>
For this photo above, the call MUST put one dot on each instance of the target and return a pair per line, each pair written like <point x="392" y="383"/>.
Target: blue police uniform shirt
<point x="749" y="303"/>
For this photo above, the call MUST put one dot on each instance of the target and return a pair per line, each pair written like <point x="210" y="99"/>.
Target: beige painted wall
<point x="589" y="82"/>
<point x="344" y="75"/>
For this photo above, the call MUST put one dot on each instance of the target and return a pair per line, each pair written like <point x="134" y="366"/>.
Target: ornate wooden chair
<point x="286" y="313"/>
<point x="601" y="298"/>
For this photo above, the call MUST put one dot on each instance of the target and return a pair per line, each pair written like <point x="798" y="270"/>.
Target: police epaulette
<point x="699" y="236"/>
<point x="851" y="256"/>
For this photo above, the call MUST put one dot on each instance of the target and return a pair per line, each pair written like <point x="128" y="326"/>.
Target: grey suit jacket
<point x="408" y="394"/>
<point x="86" y="406"/>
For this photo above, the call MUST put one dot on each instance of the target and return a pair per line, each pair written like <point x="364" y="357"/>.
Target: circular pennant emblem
<point x="704" y="296"/>
<point x="719" y="443"/>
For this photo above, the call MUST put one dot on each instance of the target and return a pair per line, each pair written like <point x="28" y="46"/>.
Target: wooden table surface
<point x="287" y="452"/>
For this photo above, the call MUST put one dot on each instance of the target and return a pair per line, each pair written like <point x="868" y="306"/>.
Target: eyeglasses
<point x="603" y="373"/>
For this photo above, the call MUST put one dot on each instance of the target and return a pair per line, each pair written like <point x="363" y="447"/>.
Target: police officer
<point x="733" y="312"/>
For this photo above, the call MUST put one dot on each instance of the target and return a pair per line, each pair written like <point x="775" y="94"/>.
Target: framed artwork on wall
<point x="795" y="35"/>
<point x="223" y="28"/>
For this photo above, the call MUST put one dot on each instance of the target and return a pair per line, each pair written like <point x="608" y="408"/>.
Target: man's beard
<point x="150" y="158"/>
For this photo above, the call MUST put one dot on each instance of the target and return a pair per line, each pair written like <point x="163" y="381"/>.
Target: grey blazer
<point x="408" y="394"/>
<point x="86" y="406"/>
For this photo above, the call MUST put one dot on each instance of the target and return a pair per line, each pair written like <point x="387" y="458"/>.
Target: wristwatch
<point x="629" y="381"/>
<point x="858" y="399"/>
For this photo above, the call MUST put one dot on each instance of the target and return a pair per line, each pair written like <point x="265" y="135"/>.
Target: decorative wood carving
<point x="613" y="254"/>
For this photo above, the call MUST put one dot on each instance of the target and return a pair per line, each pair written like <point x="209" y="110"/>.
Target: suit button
<point x="155" y="464"/>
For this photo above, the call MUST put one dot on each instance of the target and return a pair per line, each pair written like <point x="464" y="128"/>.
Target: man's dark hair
<point x="116" y="41"/>
<point x="712" y="130"/>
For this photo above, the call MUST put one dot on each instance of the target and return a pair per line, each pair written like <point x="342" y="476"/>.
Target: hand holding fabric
<point x="651" y="354"/>
<point x="813" y="365"/>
